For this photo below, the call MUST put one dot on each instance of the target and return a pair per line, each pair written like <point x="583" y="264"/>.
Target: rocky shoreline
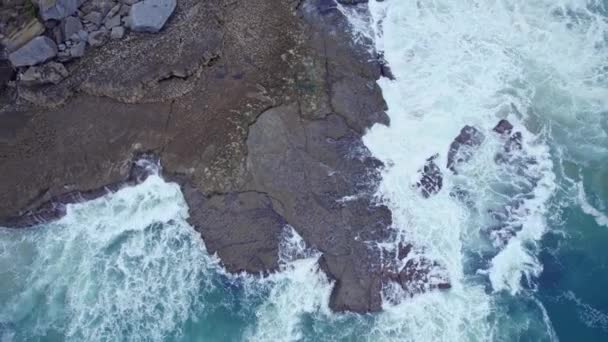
<point x="256" y="108"/>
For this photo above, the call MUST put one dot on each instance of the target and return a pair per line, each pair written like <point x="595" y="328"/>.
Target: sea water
<point x="128" y="267"/>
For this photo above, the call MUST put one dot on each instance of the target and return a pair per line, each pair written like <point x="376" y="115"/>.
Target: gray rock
<point x="61" y="47"/>
<point x="118" y="32"/>
<point x="71" y="26"/>
<point x="124" y="10"/>
<point x="38" y="50"/>
<point x="57" y="9"/>
<point x="98" y="38"/>
<point x="93" y="17"/>
<point x="151" y="15"/>
<point x="113" y="12"/>
<point x="77" y="50"/>
<point x="51" y="72"/>
<point x="90" y="27"/>
<point x="129" y="2"/>
<point x="112" y="22"/>
<point x="83" y="35"/>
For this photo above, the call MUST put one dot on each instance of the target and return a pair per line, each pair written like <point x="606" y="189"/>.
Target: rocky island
<point x="256" y="108"/>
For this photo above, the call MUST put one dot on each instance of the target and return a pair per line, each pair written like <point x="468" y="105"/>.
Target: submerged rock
<point x="503" y="127"/>
<point x="151" y="15"/>
<point x="461" y="148"/>
<point x="38" y="50"/>
<point x="431" y="180"/>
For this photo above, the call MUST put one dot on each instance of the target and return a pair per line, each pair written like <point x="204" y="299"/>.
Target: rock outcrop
<point x="256" y="108"/>
<point x="57" y="9"/>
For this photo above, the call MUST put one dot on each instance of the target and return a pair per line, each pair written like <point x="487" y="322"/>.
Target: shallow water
<point x="129" y="267"/>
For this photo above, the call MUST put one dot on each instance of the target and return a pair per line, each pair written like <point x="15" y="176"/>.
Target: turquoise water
<point x="128" y="267"/>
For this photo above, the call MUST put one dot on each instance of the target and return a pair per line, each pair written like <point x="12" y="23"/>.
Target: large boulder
<point x="57" y="9"/>
<point x="151" y="15"/>
<point x="49" y="73"/>
<point x="38" y="50"/>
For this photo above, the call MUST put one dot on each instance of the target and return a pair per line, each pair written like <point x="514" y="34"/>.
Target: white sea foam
<point x="600" y="217"/>
<point x="126" y="266"/>
<point x="472" y="62"/>
<point x="299" y="289"/>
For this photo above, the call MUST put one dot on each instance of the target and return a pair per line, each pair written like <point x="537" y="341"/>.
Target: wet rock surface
<point x="462" y="148"/>
<point x="256" y="108"/>
<point x="431" y="180"/>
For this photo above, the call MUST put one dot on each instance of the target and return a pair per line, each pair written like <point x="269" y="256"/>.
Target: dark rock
<point x="151" y="15"/>
<point x="6" y="73"/>
<point x="280" y="143"/>
<point x="404" y="250"/>
<point x="503" y="127"/>
<point x="142" y="166"/>
<point x="419" y="275"/>
<point x="431" y="180"/>
<point x="461" y="149"/>
<point x="78" y="49"/>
